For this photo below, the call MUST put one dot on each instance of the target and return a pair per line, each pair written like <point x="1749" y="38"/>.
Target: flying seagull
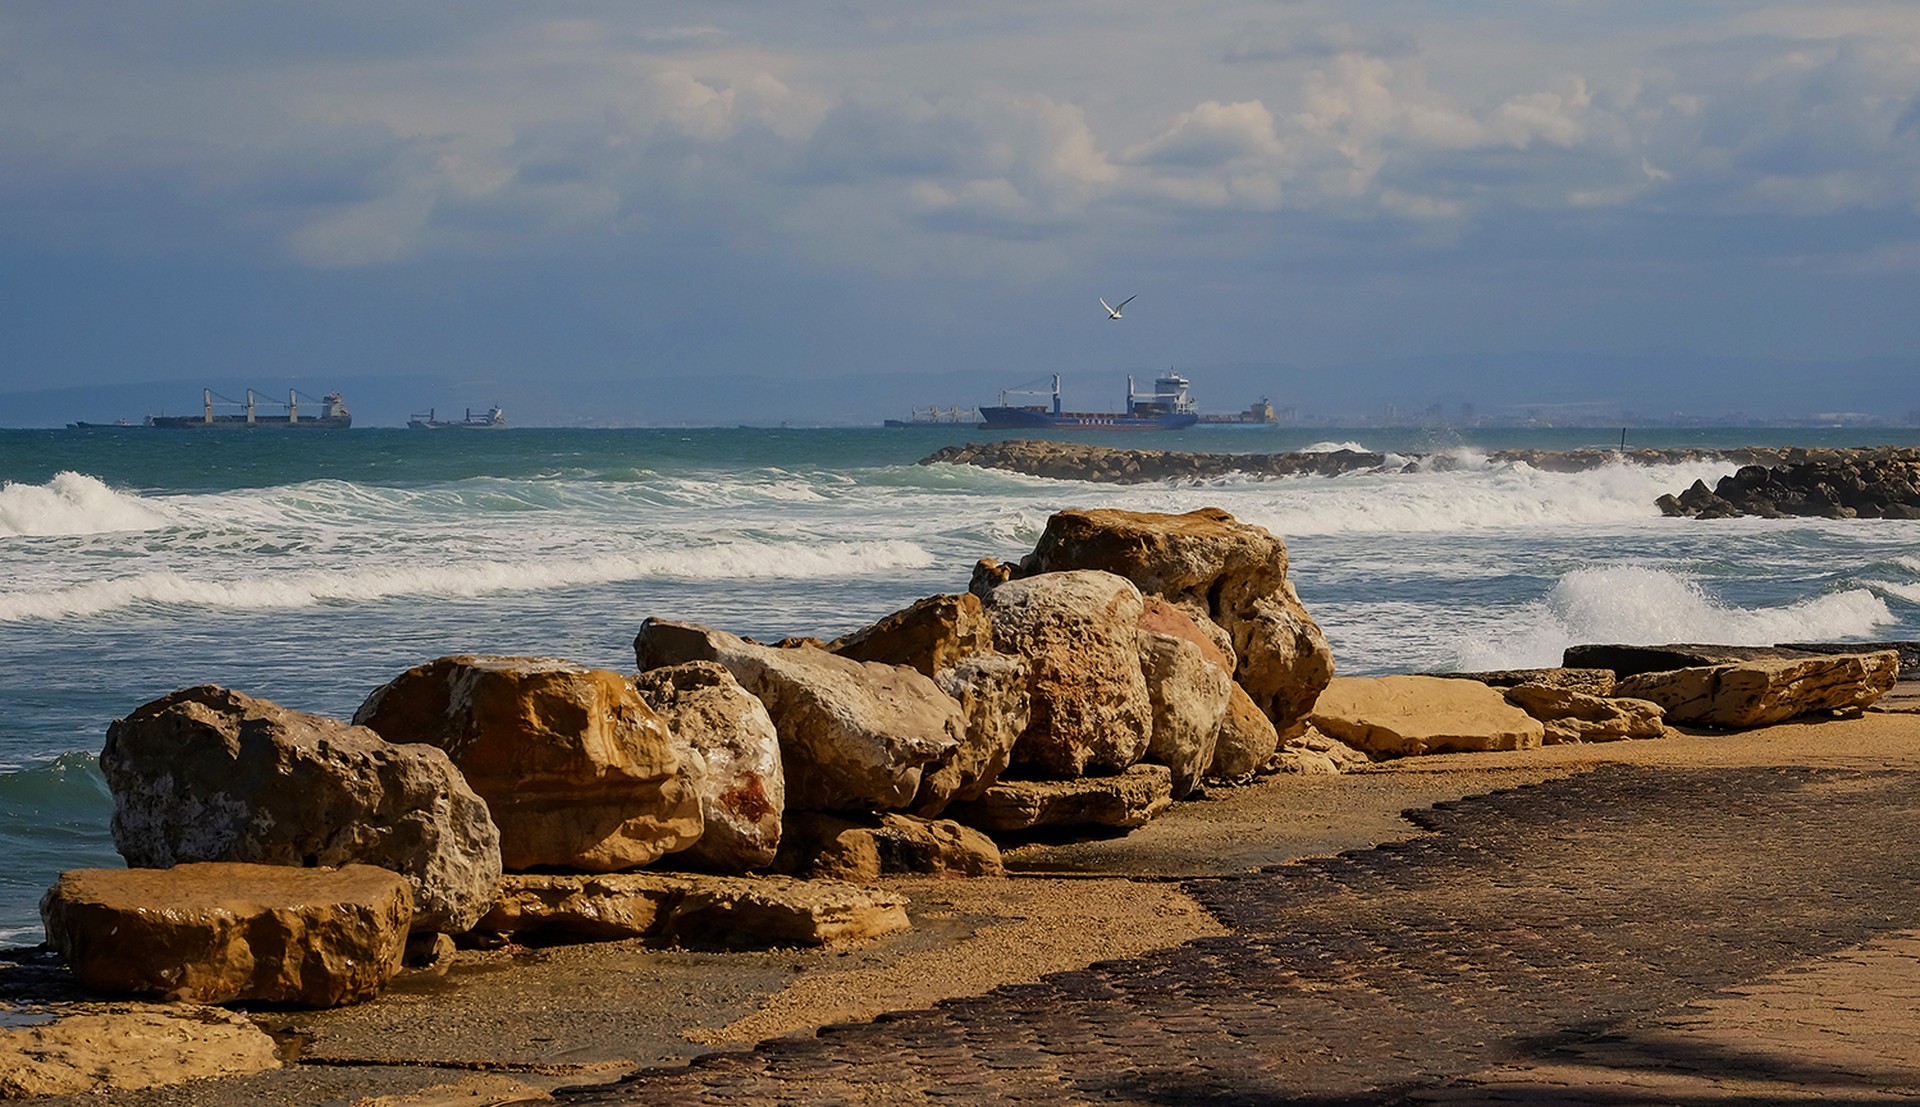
<point x="1113" y="311"/>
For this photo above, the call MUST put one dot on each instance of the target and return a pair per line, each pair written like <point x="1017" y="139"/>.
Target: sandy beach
<point x="507" y="1024"/>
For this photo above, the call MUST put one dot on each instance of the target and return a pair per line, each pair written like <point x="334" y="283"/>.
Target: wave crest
<point x="73" y="503"/>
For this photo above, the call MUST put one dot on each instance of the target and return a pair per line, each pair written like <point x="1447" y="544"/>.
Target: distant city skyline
<point x="1400" y="202"/>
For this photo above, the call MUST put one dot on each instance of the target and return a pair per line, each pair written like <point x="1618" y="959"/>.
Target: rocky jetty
<point x="1113" y="465"/>
<point x="1828" y="484"/>
<point x="737" y="793"/>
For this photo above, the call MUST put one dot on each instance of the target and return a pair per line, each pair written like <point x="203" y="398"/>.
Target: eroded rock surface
<point x="210" y="774"/>
<point x="100" y="1047"/>
<point x="1400" y="716"/>
<point x="1079" y="633"/>
<point x="683" y="908"/>
<point x="828" y="846"/>
<point x="992" y="690"/>
<point x="728" y="736"/>
<point x="1189" y="693"/>
<point x="1127" y="800"/>
<point x="1571" y="716"/>
<point x="1737" y="687"/>
<point x="578" y="771"/>
<point x="854" y="735"/>
<point x="221" y="932"/>
<point x="1208" y="563"/>
<point x="936" y="633"/>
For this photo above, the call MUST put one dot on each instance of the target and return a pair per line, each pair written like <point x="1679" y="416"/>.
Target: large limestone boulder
<point x="1189" y="690"/>
<point x="936" y="633"/>
<point x="1212" y="565"/>
<point x="579" y="772"/>
<point x="1080" y="635"/>
<point x="221" y="932"/>
<point x="820" y="845"/>
<point x="667" y="909"/>
<point x="1247" y="739"/>
<point x="1130" y="799"/>
<point x="121" y="1047"/>
<point x="209" y="774"/>
<point x="1572" y="716"/>
<point x="1399" y="716"/>
<point x="853" y="735"/>
<point x="723" y="730"/>
<point x="992" y="690"/>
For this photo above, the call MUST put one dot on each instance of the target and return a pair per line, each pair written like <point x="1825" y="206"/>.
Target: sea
<point x="310" y="567"/>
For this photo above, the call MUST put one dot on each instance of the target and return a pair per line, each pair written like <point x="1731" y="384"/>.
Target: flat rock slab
<point x="1401" y="716"/>
<point x="693" y="909"/>
<point x="219" y="932"/>
<point x="1130" y="799"/>
<point x="1764" y="690"/>
<point x="95" y="1048"/>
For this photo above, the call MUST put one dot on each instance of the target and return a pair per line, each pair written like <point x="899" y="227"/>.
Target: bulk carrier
<point x="333" y="414"/>
<point x="1167" y="407"/>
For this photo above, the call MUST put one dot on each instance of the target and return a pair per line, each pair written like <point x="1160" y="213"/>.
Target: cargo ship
<point x="1167" y="407"/>
<point x="494" y="419"/>
<point x="934" y="416"/>
<point x="333" y="414"/>
<point x="1258" y="413"/>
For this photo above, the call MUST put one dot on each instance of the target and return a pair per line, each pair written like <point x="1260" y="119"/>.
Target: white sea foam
<point x="1334" y="447"/>
<point x="722" y="561"/>
<point x="1909" y="593"/>
<point x="1641" y="605"/>
<point x="73" y="503"/>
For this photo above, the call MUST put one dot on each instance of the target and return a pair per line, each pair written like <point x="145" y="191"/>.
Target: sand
<point x="525" y="1020"/>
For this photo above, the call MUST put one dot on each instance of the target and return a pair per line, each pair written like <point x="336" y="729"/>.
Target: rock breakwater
<point x="1830" y="484"/>
<point x="1114" y="465"/>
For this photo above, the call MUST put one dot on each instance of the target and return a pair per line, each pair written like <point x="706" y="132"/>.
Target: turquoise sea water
<point x="308" y="568"/>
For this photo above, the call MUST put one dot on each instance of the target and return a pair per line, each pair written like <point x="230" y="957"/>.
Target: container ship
<point x="1167" y="407"/>
<point x="333" y="414"/>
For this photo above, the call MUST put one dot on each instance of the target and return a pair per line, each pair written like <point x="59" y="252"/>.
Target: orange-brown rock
<point x="1080" y="635"/>
<point x="667" y="909"/>
<point x="1247" y="738"/>
<point x="936" y="633"/>
<point x="1400" y="716"/>
<point x="1126" y="800"/>
<point x="820" y="845"/>
<point x="992" y="691"/>
<point x="94" y="1048"/>
<point x="1767" y="690"/>
<point x="1207" y="561"/>
<point x="1188" y="687"/>
<point x="210" y="774"/>
<point x="1572" y="716"/>
<point x="221" y="932"/>
<point x="727" y="734"/>
<point x="579" y="772"/>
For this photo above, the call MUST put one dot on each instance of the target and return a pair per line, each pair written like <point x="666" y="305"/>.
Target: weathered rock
<point x="1207" y="561"/>
<point x="936" y="633"/>
<point x="1399" y="716"/>
<point x="118" y="1047"/>
<point x="219" y="932"/>
<point x="1768" y="690"/>
<point x="209" y="774"/>
<point x="1571" y="716"/>
<point x="1080" y="634"/>
<point x="1593" y="682"/>
<point x="1189" y="690"/>
<point x="690" y="909"/>
<point x="992" y="691"/>
<point x="723" y="730"/>
<point x="1128" y="800"/>
<point x="1312" y="753"/>
<point x="1247" y="738"/>
<point x="577" y="769"/>
<point x="820" y="845"/>
<point x="854" y="735"/>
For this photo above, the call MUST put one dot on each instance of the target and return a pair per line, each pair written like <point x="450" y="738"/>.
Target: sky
<point x="557" y="193"/>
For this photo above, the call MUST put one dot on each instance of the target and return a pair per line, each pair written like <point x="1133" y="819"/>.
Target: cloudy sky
<point x="581" y="191"/>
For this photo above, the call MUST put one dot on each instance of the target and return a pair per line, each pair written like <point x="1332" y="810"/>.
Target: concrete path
<point x="1632" y="935"/>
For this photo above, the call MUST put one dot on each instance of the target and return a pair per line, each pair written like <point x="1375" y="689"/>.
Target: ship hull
<point x="241" y="422"/>
<point x="1031" y="418"/>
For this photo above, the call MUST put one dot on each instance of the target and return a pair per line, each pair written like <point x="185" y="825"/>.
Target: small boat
<point x="493" y="419"/>
<point x="1167" y="407"/>
<point x="333" y="414"/>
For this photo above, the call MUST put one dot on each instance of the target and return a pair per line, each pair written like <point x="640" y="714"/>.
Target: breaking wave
<point x="73" y="503"/>
<point x="730" y="561"/>
<point x="1640" y="605"/>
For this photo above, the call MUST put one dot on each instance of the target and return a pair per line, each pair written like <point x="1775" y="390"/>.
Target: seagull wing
<point x="1104" y="304"/>
<point x="1126" y="301"/>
